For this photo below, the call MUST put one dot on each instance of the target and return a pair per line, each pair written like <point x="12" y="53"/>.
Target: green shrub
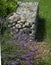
<point x="7" y="7"/>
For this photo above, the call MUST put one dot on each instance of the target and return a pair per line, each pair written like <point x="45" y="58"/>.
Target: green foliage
<point x="9" y="48"/>
<point x="7" y="7"/>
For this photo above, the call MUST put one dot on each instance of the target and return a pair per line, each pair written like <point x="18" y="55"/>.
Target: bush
<point x="7" y="7"/>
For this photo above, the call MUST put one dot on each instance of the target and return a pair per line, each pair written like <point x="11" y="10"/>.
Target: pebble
<point x="33" y="26"/>
<point x="19" y="21"/>
<point x="9" y="25"/>
<point x="26" y="24"/>
<point x="23" y="26"/>
<point x="18" y="26"/>
<point x="13" y="27"/>
<point x="13" y="24"/>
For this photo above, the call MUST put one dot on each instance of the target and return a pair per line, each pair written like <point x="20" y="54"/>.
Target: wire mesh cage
<point x="29" y="0"/>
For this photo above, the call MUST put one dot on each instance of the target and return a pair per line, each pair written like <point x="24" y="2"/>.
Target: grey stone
<point x="18" y="26"/>
<point x="13" y="27"/>
<point x="33" y="27"/>
<point x="23" y="26"/>
<point x="9" y="25"/>
<point x="13" y="18"/>
<point x="19" y="22"/>
<point x="26" y="24"/>
<point x="13" y="24"/>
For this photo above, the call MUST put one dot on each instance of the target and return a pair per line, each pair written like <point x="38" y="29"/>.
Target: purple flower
<point x="15" y="31"/>
<point x="15" y="42"/>
<point x="21" y="43"/>
<point x="4" y="56"/>
<point x="31" y="53"/>
<point x="30" y="38"/>
<point x="14" y="63"/>
<point x="5" y="63"/>
<point x="15" y="37"/>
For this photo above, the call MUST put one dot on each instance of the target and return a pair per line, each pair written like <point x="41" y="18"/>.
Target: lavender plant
<point x="16" y="50"/>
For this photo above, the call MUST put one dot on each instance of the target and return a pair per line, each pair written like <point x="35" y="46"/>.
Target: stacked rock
<point x="25" y="17"/>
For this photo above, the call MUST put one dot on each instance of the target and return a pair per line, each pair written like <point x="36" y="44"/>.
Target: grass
<point x="45" y="12"/>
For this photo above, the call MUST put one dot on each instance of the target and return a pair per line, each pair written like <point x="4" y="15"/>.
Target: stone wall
<point x="24" y="18"/>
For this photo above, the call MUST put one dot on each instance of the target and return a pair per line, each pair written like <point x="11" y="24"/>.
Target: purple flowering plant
<point x="16" y="50"/>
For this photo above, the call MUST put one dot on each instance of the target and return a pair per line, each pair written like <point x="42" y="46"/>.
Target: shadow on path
<point x="41" y="30"/>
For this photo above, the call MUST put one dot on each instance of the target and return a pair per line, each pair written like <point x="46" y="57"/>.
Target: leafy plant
<point x="7" y="7"/>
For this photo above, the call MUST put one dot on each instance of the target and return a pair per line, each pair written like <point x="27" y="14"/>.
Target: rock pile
<point x="25" y="17"/>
